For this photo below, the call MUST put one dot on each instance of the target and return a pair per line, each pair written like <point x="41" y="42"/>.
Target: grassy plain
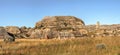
<point x="76" y="46"/>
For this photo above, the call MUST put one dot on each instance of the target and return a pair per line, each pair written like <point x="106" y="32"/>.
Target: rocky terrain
<point x="60" y="27"/>
<point x="60" y="35"/>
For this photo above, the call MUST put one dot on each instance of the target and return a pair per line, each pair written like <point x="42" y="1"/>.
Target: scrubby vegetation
<point x="76" y="46"/>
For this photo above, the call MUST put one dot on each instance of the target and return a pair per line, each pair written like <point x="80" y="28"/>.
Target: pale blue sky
<point x="28" y="12"/>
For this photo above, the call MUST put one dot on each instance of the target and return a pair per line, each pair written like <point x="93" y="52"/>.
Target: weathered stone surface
<point x="24" y="32"/>
<point x="59" y="27"/>
<point x="8" y="37"/>
<point x="2" y="32"/>
<point x="59" y="22"/>
<point x="21" y="32"/>
<point x="13" y="29"/>
<point x="36" y="34"/>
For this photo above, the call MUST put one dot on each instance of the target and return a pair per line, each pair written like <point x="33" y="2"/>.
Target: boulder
<point x="13" y="29"/>
<point x="8" y="37"/>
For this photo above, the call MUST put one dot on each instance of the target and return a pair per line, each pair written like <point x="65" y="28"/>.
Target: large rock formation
<point x="60" y="22"/>
<point x="21" y="32"/>
<point x="13" y="29"/>
<point x="58" y="27"/>
<point x="8" y="37"/>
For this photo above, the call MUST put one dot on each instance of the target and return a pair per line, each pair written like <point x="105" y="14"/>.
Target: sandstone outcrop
<point x="8" y="37"/>
<point x="13" y="29"/>
<point x="58" y="27"/>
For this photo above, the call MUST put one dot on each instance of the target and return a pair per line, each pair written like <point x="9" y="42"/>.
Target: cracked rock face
<point x="60" y="22"/>
<point x="58" y="27"/>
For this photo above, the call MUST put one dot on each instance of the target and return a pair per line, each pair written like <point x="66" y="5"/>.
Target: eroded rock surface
<point x="59" y="27"/>
<point x="8" y="37"/>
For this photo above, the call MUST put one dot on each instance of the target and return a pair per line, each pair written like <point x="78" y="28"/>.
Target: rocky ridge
<point x="60" y="27"/>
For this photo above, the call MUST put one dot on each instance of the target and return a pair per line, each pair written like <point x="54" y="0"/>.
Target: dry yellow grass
<point x="77" y="46"/>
